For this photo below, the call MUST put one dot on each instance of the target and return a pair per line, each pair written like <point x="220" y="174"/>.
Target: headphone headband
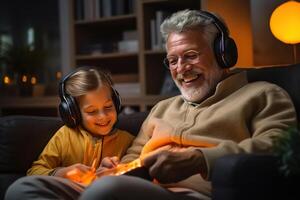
<point x="224" y="46"/>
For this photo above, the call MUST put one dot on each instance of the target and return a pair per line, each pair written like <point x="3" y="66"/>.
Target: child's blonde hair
<point x="85" y="80"/>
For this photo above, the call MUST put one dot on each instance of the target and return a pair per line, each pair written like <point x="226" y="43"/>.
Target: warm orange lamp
<point x="285" y="23"/>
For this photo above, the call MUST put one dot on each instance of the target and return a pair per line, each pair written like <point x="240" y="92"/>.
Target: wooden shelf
<point x="29" y="102"/>
<point x="146" y="64"/>
<point x="118" y="19"/>
<point x="95" y="42"/>
<point x="53" y="101"/>
<point x="155" y="52"/>
<point x="106" y="56"/>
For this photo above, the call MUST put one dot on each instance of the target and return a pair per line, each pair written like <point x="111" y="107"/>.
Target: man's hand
<point x="173" y="164"/>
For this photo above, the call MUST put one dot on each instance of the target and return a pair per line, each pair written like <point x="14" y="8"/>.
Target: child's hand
<point x="109" y="162"/>
<point x="80" y="173"/>
<point x="107" y="166"/>
<point x="80" y="168"/>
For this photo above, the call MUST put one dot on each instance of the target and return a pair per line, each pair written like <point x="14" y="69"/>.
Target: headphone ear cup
<point x="117" y="100"/>
<point x="75" y="110"/>
<point x="65" y="114"/>
<point x="228" y="57"/>
<point x="69" y="112"/>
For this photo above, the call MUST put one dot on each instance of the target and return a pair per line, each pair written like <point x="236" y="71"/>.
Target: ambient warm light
<point x="285" y="22"/>
<point x="58" y="75"/>
<point x="6" y="80"/>
<point x="33" y="80"/>
<point x="24" y="78"/>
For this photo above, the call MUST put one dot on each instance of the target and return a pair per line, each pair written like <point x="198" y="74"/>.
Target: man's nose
<point x="182" y="66"/>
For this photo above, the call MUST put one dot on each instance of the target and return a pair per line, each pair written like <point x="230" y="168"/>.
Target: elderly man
<point x="218" y="113"/>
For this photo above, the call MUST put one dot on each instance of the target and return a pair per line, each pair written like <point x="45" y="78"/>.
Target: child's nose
<point x="102" y="113"/>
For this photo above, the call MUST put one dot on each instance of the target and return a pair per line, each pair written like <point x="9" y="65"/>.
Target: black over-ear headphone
<point x="68" y="108"/>
<point x="224" y="46"/>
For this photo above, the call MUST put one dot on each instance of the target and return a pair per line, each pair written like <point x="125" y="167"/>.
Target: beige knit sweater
<point x="240" y="117"/>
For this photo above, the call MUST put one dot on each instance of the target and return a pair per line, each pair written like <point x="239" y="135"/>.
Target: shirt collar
<point x="232" y="83"/>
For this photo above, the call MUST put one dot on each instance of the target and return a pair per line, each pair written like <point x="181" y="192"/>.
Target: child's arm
<point x="50" y="158"/>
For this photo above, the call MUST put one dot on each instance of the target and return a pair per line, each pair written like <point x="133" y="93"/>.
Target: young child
<point x="89" y="108"/>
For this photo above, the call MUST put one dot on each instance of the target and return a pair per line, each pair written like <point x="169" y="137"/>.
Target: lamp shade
<point x="285" y="22"/>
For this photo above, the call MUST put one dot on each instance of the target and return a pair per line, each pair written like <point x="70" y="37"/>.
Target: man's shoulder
<point x="263" y="86"/>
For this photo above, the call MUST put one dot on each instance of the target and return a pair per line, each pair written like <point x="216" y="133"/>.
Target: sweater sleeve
<point x="275" y="114"/>
<point x="51" y="156"/>
<point x="134" y="151"/>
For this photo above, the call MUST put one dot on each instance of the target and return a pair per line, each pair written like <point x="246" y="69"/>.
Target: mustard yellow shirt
<point x="70" y="146"/>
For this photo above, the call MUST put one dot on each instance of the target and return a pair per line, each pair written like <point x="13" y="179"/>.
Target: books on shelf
<point x="129" y="43"/>
<point x="128" y="89"/>
<point x="128" y="46"/>
<point x="95" y="9"/>
<point x="157" y="42"/>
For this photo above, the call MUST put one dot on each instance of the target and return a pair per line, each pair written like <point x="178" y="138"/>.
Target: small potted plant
<point x="287" y="149"/>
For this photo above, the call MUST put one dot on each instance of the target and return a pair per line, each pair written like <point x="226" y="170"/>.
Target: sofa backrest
<point x="287" y="77"/>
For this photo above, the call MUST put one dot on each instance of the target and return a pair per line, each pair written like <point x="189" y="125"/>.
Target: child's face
<point x="98" y="111"/>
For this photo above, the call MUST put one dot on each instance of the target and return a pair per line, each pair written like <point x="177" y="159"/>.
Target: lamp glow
<point x="285" y="22"/>
<point x="6" y="80"/>
<point x="24" y="78"/>
<point x="33" y="80"/>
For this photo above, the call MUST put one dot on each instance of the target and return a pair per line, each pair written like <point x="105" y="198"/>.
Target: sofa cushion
<point x="22" y="138"/>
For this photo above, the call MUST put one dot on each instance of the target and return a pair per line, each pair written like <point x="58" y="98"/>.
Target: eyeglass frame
<point x="186" y="61"/>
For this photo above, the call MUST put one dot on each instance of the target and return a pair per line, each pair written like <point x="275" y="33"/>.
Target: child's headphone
<point x="68" y="108"/>
<point x="224" y="46"/>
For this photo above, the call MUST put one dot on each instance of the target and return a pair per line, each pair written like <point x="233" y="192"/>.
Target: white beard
<point x="195" y="94"/>
<point x="198" y="94"/>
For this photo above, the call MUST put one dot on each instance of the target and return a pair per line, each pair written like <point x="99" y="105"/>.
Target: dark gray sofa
<point x="235" y="177"/>
<point x="22" y="139"/>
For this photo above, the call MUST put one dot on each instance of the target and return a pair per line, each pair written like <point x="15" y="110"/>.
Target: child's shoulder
<point x="65" y="130"/>
<point x="123" y="133"/>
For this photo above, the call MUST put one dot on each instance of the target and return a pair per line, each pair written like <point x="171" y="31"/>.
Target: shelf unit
<point x="96" y="44"/>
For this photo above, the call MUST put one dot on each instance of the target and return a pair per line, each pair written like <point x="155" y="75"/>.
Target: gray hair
<point x="83" y="81"/>
<point x="186" y="20"/>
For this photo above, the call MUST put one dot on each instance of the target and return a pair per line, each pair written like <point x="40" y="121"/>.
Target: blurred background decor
<point x="25" y="64"/>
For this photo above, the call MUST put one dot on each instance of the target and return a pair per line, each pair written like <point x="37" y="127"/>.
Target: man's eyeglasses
<point x="189" y="57"/>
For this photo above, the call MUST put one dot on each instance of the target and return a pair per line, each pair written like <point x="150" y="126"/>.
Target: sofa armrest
<point x="250" y="176"/>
